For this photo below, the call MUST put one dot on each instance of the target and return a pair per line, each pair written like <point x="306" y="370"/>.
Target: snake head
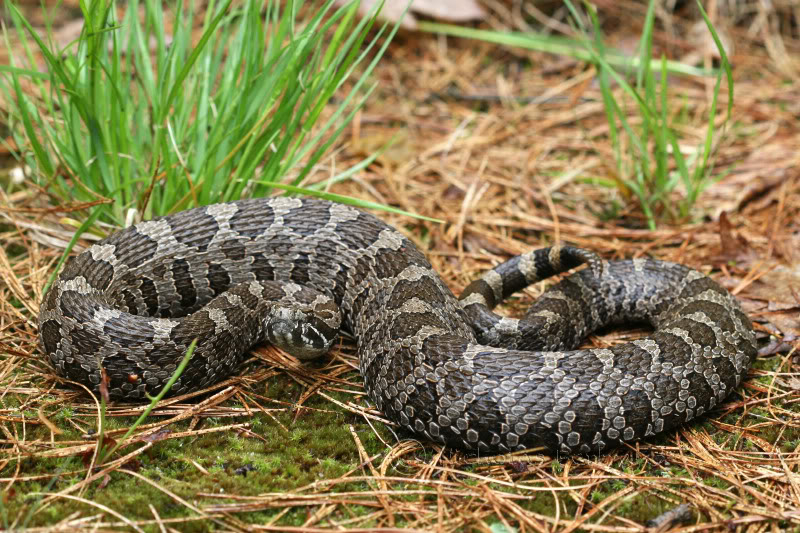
<point x="298" y="333"/>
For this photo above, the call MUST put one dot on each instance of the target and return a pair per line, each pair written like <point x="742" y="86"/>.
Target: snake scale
<point x="293" y="271"/>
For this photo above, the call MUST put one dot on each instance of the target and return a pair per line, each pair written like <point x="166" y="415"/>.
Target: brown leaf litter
<point x="510" y="149"/>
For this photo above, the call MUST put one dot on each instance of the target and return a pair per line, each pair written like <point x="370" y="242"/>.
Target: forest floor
<point x="510" y="149"/>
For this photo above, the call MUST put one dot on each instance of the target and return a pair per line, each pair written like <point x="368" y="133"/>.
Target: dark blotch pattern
<point x="234" y="250"/>
<point x="193" y="229"/>
<point x="300" y="266"/>
<point x="218" y="278"/>
<point x="99" y="274"/>
<point x="49" y="335"/>
<point x="149" y="295"/>
<point x="261" y="268"/>
<point x="184" y="285"/>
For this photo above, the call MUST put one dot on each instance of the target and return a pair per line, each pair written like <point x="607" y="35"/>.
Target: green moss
<point x="716" y="482"/>
<point x="318" y="445"/>
<point x="791" y="444"/>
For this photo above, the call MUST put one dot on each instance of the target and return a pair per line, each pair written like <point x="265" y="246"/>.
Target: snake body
<point x="293" y="271"/>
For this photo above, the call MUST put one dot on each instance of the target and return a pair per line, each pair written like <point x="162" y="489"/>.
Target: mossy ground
<point x="316" y="444"/>
<point x="295" y="449"/>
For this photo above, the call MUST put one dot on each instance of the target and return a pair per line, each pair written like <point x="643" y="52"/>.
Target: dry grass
<point x="506" y="175"/>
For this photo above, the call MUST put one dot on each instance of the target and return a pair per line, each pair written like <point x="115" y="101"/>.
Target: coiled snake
<point x="292" y="271"/>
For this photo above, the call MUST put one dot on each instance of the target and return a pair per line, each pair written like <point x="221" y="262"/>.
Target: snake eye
<point x="312" y="337"/>
<point x="133" y="378"/>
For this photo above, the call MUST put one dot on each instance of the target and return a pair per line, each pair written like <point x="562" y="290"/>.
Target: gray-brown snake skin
<point x="134" y="302"/>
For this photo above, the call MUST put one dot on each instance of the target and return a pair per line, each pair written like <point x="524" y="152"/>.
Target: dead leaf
<point x="156" y="436"/>
<point x="734" y="246"/>
<point x="780" y="288"/>
<point x="451" y="10"/>
<point x="763" y="171"/>
<point x="779" y="346"/>
<point x="787" y="322"/>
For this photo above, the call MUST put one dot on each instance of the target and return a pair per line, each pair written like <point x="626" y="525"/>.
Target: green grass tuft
<point x="142" y="126"/>
<point x="650" y="162"/>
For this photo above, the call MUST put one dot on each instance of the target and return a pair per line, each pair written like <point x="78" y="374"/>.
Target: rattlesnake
<point x="447" y="370"/>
